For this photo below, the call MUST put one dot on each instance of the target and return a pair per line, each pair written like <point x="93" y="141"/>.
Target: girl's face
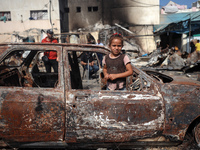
<point x="116" y="46"/>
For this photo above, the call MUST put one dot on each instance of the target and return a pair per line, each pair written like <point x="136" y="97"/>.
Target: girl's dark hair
<point x="116" y="36"/>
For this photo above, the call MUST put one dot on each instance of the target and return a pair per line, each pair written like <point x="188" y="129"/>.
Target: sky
<point x="180" y="2"/>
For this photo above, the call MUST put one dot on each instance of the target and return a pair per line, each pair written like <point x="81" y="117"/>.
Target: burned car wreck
<point x="66" y="109"/>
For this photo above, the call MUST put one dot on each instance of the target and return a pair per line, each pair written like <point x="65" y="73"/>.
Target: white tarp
<point x="171" y="9"/>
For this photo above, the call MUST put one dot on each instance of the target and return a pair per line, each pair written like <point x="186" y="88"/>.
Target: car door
<point x="30" y="114"/>
<point x="111" y="116"/>
<point x="103" y="116"/>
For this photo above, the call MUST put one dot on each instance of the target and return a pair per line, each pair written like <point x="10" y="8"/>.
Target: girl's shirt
<point x="113" y="86"/>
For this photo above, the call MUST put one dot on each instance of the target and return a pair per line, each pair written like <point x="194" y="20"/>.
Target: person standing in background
<point x="88" y="63"/>
<point x="100" y="55"/>
<point x="197" y="45"/>
<point x="52" y="55"/>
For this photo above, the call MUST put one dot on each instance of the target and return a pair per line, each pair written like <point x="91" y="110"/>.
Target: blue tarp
<point x="178" y="22"/>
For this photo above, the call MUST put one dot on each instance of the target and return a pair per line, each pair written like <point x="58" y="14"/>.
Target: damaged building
<point x="78" y="16"/>
<point x="124" y="13"/>
<point x="71" y="110"/>
<point x="28" y="19"/>
<point x="75" y="20"/>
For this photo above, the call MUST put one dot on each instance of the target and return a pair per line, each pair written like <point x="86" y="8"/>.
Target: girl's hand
<point x="113" y="76"/>
<point x="106" y="76"/>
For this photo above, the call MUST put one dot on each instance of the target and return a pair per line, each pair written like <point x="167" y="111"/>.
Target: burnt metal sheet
<point x="28" y="115"/>
<point x="112" y="116"/>
<point x="3" y="49"/>
<point x="31" y="114"/>
<point x="182" y="104"/>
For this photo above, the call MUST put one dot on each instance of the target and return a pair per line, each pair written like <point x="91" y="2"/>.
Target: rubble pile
<point x="131" y="45"/>
<point x="172" y="60"/>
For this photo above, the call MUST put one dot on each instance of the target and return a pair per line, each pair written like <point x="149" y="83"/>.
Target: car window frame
<point x="38" y="48"/>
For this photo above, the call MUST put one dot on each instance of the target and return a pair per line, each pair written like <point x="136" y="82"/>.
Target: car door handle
<point x="81" y="97"/>
<point x="39" y="103"/>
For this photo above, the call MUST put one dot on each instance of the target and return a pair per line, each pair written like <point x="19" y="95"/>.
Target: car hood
<point x="172" y="79"/>
<point x="184" y="80"/>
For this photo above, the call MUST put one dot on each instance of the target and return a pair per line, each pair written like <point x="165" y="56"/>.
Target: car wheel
<point x="196" y="133"/>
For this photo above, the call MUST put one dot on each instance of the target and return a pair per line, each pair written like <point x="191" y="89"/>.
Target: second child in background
<point x="117" y="66"/>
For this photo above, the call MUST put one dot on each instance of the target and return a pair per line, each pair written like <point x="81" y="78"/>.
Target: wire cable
<point x="50" y="14"/>
<point x="144" y="3"/>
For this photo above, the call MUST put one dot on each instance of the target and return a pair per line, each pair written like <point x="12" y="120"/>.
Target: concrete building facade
<point x="25" y="18"/>
<point x="83" y="13"/>
<point x="139" y="16"/>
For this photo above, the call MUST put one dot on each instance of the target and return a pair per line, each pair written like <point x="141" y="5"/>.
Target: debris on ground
<point x="171" y="60"/>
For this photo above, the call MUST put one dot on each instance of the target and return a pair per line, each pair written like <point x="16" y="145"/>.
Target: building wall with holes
<point x="83" y="13"/>
<point x="27" y="18"/>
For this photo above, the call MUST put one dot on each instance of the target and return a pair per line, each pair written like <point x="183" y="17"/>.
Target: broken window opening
<point x="38" y="15"/>
<point x="93" y="9"/>
<point x="5" y="16"/>
<point x="82" y="77"/>
<point x="137" y="82"/>
<point x="162" y="78"/>
<point x="25" y="68"/>
<point x="66" y="9"/>
<point x="78" y="9"/>
<point x="89" y="9"/>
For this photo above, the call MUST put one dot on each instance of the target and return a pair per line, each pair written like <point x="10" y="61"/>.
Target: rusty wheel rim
<point x="197" y="133"/>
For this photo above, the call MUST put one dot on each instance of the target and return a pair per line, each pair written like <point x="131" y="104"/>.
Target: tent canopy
<point x="178" y="22"/>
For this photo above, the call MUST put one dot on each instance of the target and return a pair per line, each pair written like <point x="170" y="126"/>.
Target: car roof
<point x="4" y="47"/>
<point x="58" y="44"/>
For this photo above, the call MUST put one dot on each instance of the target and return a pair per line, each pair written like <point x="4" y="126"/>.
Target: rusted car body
<point x="64" y="109"/>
